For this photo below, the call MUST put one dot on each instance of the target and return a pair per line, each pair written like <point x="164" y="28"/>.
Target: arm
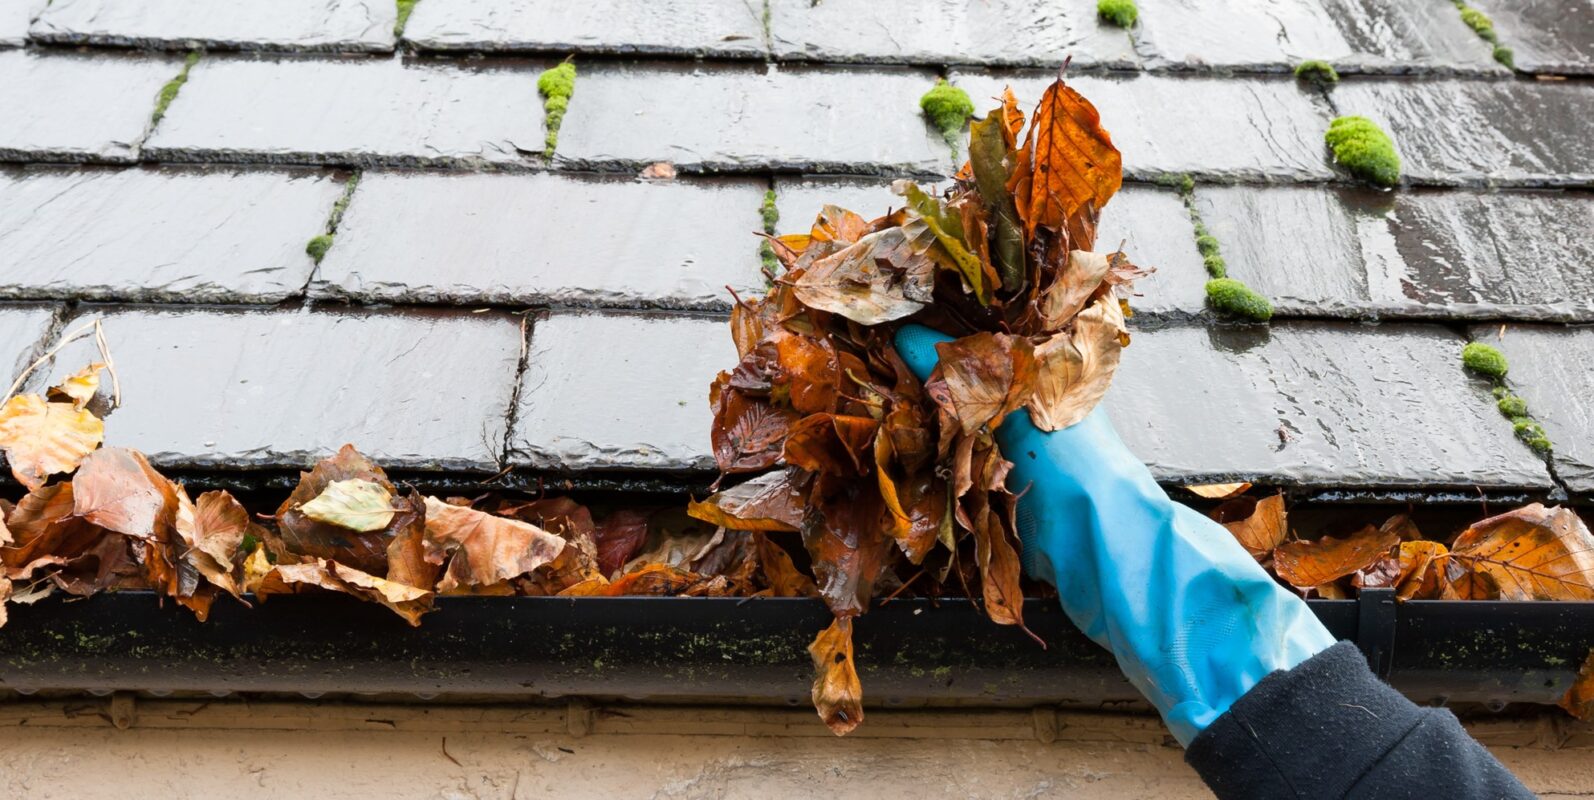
<point x="1238" y="666"/>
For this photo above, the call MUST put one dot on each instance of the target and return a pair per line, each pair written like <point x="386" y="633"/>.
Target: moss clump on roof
<point x="1216" y="266"/>
<point x="556" y="85"/>
<point x="771" y="214"/>
<point x="1233" y="298"/>
<point x="1315" y="71"/>
<point x="1484" y="360"/>
<point x="318" y="247"/>
<point x="404" y="9"/>
<point x="1479" y="22"/>
<point x="948" y="108"/>
<point x="1181" y="181"/>
<point x="169" y="92"/>
<point x="1363" y="148"/>
<point x="1512" y="406"/>
<point x="1532" y="434"/>
<point x="1122" y="13"/>
<point x="1504" y="55"/>
<point x="1207" y="244"/>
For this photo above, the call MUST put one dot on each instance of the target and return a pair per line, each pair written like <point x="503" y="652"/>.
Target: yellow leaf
<point x="41" y="439"/>
<point x="1075" y="368"/>
<point x="837" y="692"/>
<point x="78" y="389"/>
<point x="1531" y="553"/>
<point x="1073" y="161"/>
<point x="356" y="504"/>
<point x="1218" y="491"/>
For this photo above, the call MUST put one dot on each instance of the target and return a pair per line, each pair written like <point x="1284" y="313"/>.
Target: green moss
<point x="342" y="204"/>
<point x="556" y="85"/>
<point x="1479" y="22"/>
<point x="771" y="214"/>
<point x="1183" y="182"/>
<point x="1206" y="243"/>
<point x="1512" y="406"/>
<point x="1319" y="72"/>
<point x="1484" y="360"/>
<point x="1532" y="434"/>
<point x="318" y="247"/>
<point x="1216" y="266"/>
<point x="1504" y="55"/>
<point x="1122" y="13"/>
<point x="169" y="92"/>
<point x="948" y="108"/>
<point x="1233" y="298"/>
<point x="1363" y="148"/>
<point x="404" y="9"/>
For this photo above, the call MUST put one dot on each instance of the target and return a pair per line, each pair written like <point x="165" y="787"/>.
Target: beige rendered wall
<point x="174" y="750"/>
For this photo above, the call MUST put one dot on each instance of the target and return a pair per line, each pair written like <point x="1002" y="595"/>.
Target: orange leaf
<point x="1073" y="161"/>
<point x="1311" y="563"/>
<point x="1531" y="553"/>
<point x="41" y="439"/>
<point x="769" y="502"/>
<point x="1259" y="525"/>
<point x="984" y="377"/>
<point x="1579" y="699"/>
<point x="838" y="695"/>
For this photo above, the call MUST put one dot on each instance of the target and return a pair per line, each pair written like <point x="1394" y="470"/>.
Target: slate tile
<point x="1316" y="404"/>
<point x="353" y="111"/>
<point x="15" y="16"/>
<point x="1245" y="129"/>
<point x="333" y="25"/>
<point x="23" y="327"/>
<point x="745" y="118"/>
<point x="1549" y="369"/>
<point x="940" y="32"/>
<point x="546" y="238"/>
<point x="619" y="391"/>
<point x="1355" y="35"/>
<point x="1470" y="132"/>
<point x="1150" y="221"/>
<point x="71" y="107"/>
<point x="159" y="235"/>
<point x="1545" y="35"/>
<point x="254" y="388"/>
<point x="717" y="28"/>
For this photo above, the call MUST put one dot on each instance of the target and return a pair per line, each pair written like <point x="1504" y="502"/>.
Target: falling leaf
<point x="1258" y="525"/>
<point x="41" y="439"/>
<point x="1312" y="563"/>
<point x="485" y="548"/>
<point x="1219" y="491"/>
<point x="1074" y="163"/>
<point x="1075" y="370"/>
<point x="837" y="693"/>
<point x="77" y="388"/>
<point x="1579" y="698"/>
<point x="356" y="504"/>
<point x="1531" y="553"/>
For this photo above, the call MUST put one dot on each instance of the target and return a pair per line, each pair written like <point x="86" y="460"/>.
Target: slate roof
<point x="483" y="307"/>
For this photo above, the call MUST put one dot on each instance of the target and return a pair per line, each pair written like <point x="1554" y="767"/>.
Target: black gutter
<point x="909" y="652"/>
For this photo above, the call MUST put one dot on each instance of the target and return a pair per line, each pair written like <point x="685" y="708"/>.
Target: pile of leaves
<point x="888" y="480"/>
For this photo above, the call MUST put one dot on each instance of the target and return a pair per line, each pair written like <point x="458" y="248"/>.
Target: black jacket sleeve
<point x="1329" y="729"/>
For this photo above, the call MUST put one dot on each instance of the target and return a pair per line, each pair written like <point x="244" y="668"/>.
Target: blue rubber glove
<point x="1192" y="619"/>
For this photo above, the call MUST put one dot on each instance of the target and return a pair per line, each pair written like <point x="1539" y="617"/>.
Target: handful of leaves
<point x="868" y="463"/>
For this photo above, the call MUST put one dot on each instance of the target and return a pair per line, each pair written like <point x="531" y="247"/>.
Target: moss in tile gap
<point x="556" y="85"/>
<point x="1504" y="55"/>
<point x="1122" y="13"/>
<point x="948" y="108"/>
<point x="1484" y="360"/>
<point x="169" y="91"/>
<point x="1232" y="298"/>
<point x="1479" y="22"/>
<point x="318" y="247"/>
<point x="771" y="214"/>
<point x="1321" y="73"/>
<point x="1488" y="362"/>
<point x="404" y="9"/>
<point x="1362" y="148"/>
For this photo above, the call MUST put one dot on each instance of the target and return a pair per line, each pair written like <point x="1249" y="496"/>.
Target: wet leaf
<point x="1311" y="563"/>
<point x="837" y="692"/>
<point x="782" y="575"/>
<point x="846" y="540"/>
<point x="305" y="536"/>
<point x="118" y="490"/>
<point x="213" y="529"/>
<point x="41" y="439"/>
<point x="749" y="433"/>
<point x="1531" y="553"/>
<point x="1074" y="163"/>
<point x="769" y="502"/>
<point x="870" y="281"/>
<point x="78" y="388"/>
<point x="484" y="549"/>
<point x="1419" y="577"/>
<point x="356" y="504"/>
<point x="831" y="443"/>
<point x="1074" y="370"/>
<point x="619" y="538"/>
<point x="1579" y="698"/>
<point x="1258" y="524"/>
<point x="1072" y="288"/>
<point x="986" y="376"/>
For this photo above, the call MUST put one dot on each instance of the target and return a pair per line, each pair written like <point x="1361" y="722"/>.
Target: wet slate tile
<point x="23" y="327"/>
<point x="1252" y="129"/>
<point x="745" y="118"/>
<point x="939" y="32"/>
<point x="1469" y="132"/>
<point x="340" y="25"/>
<point x="1549" y="369"/>
<point x="1545" y="35"/>
<point x="261" y="388"/>
<point x="719" y="28"/>
<point x="15" y="16"/>
<point x="619" y="391"/>
<point x="1150" y="221"/>
<point x="71" y="107"/>
<point x="541" y="239"/>
<point x="1356" y="35"/>
<point x="1318" y="404"/>
<point x="353" y="111"/>
<point x="159" y="235"/>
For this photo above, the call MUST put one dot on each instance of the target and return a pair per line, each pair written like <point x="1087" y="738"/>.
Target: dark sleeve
<point x="1329" y="728"/>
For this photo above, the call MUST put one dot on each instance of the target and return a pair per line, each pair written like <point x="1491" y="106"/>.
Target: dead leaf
<point x="118" y="490"/>
<point x="834" y="444"/>
<point x="871" y="281"/>
<point x="78" y="388"/>
<point x="41" y="439"/>
<point x="1579" y="698"/>
<point x="837" y="693"/>
<point x="1258" y="524"/>
<point x="357" y="504"/>
<point x="619" y="537"/>
<point x="1219" y="491"/>
<point x="1531" y="553"/>
<point x="485" y="549"/>
<point x="306" y="536"/>
<point x="770" y="502"/>
<point x="1074" y="163"/>
<point x="213" y="530"/>
<point x="1073" y="287"/>
<point x="658" y="171"/>
<point x="1075" y="369"/>
<point x="1310" y="563"/>
<point x="986" y="376"/>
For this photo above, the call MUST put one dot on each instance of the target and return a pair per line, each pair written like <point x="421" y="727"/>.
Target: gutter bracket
<point x="1375" y="628"/>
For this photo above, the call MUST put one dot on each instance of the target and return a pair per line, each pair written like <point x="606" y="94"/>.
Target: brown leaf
<point x="1075" y="369"/>
<point x="770" y="502"/>
<point x="41" y="439"/>
<point x="118" y="490"/>
<point x="1531" y="553"/>
<point x="1074" y="163"/>
<point x="831" y="443"/>
<point x="486" y="549"/>
<point x="364" y="551"/>
<point x="1311" y="563"/>
<point x="748" y="432"/>
<point x="619" y="537"/>
<point x="407" y="551"/>
<point x="213" y="529"/>
<point x="408" y="602"/>
<point x="1420" y="578"/>
<point x="1579" y="698"/>
<point x="1258" y="525"/>
<point x="917" y="506"/>
<point x="784" y="579"/>
<point x="846" y="540"/>
<point x="837" y="693"/>
<point x="1074" y="285"/>
<point x="871" y="281"/>
<point x="986" y="376"/>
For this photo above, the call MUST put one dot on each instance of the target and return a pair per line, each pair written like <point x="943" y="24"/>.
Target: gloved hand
<point x="1192" y="619"/>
